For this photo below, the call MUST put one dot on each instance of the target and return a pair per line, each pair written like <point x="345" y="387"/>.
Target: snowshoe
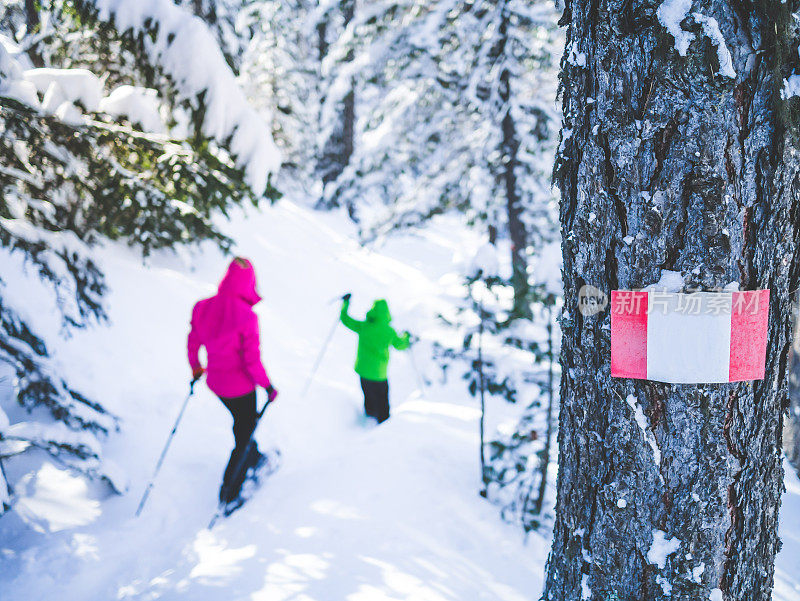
<point x="233" y="506"/>
<point x="266" y="465"/>
<point x="365" y="421"/>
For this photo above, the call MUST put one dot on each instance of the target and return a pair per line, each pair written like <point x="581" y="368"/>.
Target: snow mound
<point x="670" y="281"/>
<point x="68" y="85"/>
<point x="12" y="83"/>
<point x="485" y="263"/>
<point x="139" y="105"/>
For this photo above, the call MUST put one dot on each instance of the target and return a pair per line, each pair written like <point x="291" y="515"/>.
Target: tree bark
<point x="684" y="169"/>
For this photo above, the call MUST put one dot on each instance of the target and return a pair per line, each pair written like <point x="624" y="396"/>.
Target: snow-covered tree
<point x="281" y="73"/>
<point x="679" y="152"/>
<point x="502" y="357"/>
<point x="467" y="123"/>
<point x="227" y="20"/>
<point x="518" y="462"/>
<point x="135" y="130"/>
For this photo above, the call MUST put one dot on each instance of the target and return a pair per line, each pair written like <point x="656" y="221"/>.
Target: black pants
<point x="376" y="398"/>
<point x="243" y="410"/>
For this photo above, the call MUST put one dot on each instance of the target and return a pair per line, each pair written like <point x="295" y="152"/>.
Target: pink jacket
<point x="227" y="326"/>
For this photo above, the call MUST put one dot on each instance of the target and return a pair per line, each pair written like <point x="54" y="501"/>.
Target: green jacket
<point x="375" y="335"/>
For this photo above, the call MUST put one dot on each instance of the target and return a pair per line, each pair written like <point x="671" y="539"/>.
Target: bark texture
<point x="684" y="169"/>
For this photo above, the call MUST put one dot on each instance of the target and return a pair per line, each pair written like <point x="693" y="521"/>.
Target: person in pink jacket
<point x="227" y="327"/>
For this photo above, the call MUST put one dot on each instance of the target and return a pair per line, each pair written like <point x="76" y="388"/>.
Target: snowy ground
<point x="354" y="513"/>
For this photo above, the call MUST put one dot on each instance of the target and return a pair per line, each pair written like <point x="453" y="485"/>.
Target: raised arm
<point x="349" y="322"/>
<point x="401" y="343"/>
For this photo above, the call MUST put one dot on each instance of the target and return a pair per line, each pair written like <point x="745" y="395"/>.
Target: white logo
<point x="591" y="300"/>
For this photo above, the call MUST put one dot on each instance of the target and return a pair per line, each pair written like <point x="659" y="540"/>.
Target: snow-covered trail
<point x="359" y="514"/>
<point x="389" y="513"/>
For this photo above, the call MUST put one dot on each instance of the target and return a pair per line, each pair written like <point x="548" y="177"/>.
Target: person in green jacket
<point x="375" y="336"/>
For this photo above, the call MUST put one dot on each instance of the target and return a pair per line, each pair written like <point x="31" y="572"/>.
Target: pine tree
<point x="506" y="90"/>
<point x="504" y="357"/>
<point x="679" y="152"/>
<point x="518" y="463"/>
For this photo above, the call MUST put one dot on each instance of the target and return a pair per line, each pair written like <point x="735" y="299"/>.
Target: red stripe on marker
<point x="749" y="314"/>
<point x="629" y="334"/>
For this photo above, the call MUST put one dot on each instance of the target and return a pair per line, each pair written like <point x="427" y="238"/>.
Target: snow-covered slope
<point x="354" y="513"/>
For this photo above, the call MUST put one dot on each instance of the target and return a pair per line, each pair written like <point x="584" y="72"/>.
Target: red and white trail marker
<point x="703" y="337"/>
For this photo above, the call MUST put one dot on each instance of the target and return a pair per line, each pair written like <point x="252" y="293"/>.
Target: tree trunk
<point x="322" y="42"/>
<point x="32" y="25"/>
<point x="482" y="392"/>
<point x="338" y="148"/>
<point x="509" y="153"/>
<point x="666" y="163"/>
<point x="544" y="458"/>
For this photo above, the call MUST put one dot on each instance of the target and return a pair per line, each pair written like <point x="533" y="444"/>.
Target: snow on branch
<point x="12" y="83"/>
<point x="139" y="105"/>
<point x="182" y="45"/>
<point x="78" y="450"/>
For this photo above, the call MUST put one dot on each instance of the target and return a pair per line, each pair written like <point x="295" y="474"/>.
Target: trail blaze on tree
<point x="669" y="162"/>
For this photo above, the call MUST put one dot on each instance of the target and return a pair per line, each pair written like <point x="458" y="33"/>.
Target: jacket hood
<point x="379" y="312"/>
<point x="240" y="280"/>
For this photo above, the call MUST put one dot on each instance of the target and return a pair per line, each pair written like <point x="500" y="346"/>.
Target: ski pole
<point x="166" y="446"/>
<point x="241" y="463"/>
<point x="319" y="357"/>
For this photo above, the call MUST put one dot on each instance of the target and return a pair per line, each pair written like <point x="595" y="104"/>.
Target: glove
<point x="272" y="393"/>
<point x="197" y="373"/>
<point x="346" y="297"/>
